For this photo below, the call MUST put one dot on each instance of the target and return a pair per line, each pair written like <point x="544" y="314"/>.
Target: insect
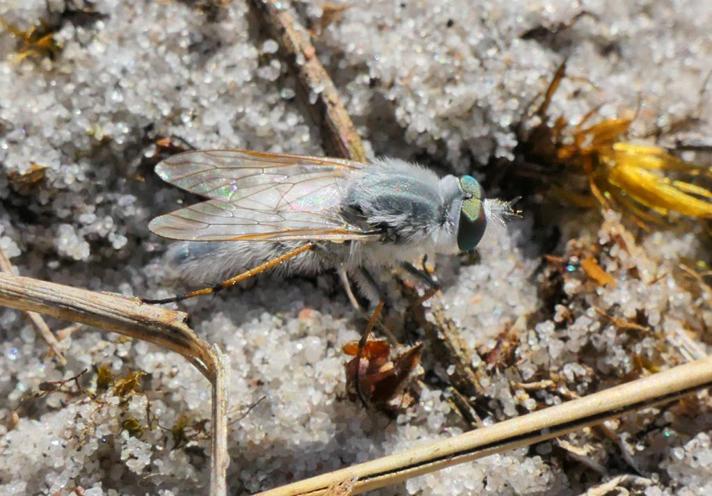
<point x="303" y="214"/>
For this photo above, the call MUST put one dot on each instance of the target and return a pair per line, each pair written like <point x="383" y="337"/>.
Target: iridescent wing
<point x="258" y="196"/>
<point x="222" y="174"/>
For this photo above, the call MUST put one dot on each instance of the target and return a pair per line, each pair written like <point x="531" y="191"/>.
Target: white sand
<point x="415" y="88"/>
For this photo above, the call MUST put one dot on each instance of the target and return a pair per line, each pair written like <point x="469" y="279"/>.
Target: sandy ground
<point x="444" y="83"/>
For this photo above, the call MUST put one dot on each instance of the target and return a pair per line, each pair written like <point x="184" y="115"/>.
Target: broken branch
<point x="130" y="317"/>
<point x="338" y="134"/>
<point x="36" y="319"/>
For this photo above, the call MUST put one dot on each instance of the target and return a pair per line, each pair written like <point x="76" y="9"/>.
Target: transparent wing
<point x="284" y="198"/>
<point x="224" y="174"/>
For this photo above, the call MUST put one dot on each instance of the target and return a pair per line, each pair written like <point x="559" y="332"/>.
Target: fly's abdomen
<point x="207" y="263"/>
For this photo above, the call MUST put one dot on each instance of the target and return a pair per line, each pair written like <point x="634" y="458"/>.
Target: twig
<point x="464" y="408"/>
<point x="248" y="410"/>
<point x="338" y="133"/>
<point x="220" y="458"/>
<point x="616" y="482"/>
<point x="581" y="455"/>
<point x="521" y="431"/>
<point x="40" y="325"/>
<point x="65" y="332"/>
<point x="617" y="439"/>
<point x="447" y="344"/>
<point x="130" y="317"/>
<point x="111" y="312"/>
<point x="445" y="334"/>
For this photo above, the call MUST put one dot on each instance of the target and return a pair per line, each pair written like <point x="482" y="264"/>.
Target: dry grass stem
<point x="36" y="319"/>
<point x="447" y="343"/>
<point x="220" y="458"/>
<point x="535" y="427"/>
<point x="128" y="316"/>
<point x="338" y="134"/>
<point x="617" y="483"/>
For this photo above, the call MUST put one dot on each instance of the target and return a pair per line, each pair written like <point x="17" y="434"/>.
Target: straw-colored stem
<point x="220" y="458"/>
<point x="514" y="433"/>
<point x="111" y="312"/>
<point x="37" y="321"/>
<point x="130" y="317"/>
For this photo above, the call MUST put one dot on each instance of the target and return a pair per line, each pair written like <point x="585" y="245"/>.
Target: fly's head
<point x="465" y="214"/>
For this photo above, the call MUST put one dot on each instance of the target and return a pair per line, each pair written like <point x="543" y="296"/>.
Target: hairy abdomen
<point x="207" y="263"/>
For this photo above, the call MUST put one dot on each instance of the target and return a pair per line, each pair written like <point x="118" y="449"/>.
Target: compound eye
<point x="472" y="224"/>
<point x="471" y="187"/>
<point x="472" y="215"/>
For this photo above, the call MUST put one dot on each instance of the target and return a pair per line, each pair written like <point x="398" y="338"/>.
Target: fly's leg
<point x="372" y="320"/>
<point x="228" y="283"/>
<point x="331" y="259"/>
<point x="425" y="277"/>
<point x="422" y="275"/>
<point x="368" y="285"/>
<point x="344" y="277"/>
<point x="371" y="288"/>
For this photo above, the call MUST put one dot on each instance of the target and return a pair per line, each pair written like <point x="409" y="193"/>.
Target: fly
<point x="303" y="214"/>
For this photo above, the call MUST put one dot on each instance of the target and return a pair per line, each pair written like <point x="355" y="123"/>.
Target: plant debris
<point x="384" y="379"/>
<point x="644" y="180"/>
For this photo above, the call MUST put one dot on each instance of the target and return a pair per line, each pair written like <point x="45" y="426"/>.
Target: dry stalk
<point x="447" y="343"/>
<point x="128" y="316"/>
<point x="338" y="134"/>
<point x="535" y="427"/>
<point x="619" y="482"/>
<point x="220" y="458"/>
<point x="445" y="335"/>
<point x="40" y="325"/>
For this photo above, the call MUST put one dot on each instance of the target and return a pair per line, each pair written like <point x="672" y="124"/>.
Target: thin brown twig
<point x="463" y="407"/>
<point x="448" y="345"/>
<point x="446" y="334"/>
<point x="621" y="323"/>
<point x="338" y="134"/>
<point x="128" y="316"/>
<point x="37" y="321"/>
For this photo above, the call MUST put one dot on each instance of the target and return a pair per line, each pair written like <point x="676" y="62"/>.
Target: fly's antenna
<point x="501" y="210"/>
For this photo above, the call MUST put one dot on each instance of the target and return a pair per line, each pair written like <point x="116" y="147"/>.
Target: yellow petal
<point x="657" y="193"/>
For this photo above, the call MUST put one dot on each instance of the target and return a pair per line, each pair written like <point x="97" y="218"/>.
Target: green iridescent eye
<point x="471" y="187"/>
<point x="471" y="209"/>
<point x="472" y="215"/>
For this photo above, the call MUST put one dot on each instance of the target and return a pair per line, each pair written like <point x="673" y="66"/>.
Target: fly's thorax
<point x="411" y="207"/>
<point x="399" y="201"/>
